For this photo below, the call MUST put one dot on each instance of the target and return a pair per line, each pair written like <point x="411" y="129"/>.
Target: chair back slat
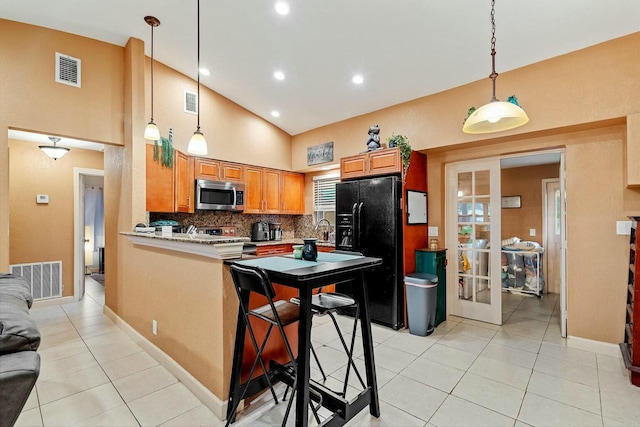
<point x="252" y="279"/>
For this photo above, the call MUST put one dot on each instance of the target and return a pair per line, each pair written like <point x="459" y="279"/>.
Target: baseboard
<point x="208" y="399"/>
<point x="52" y="301"/>
<point x="599" y="347"/>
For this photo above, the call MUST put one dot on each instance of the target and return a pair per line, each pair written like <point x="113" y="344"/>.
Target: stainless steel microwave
<point x="219" y="196"/>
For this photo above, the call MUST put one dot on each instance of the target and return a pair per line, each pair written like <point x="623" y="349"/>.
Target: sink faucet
<point x="325" y="235"/>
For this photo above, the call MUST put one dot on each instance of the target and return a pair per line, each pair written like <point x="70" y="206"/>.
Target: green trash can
<point x="422" y="294"/>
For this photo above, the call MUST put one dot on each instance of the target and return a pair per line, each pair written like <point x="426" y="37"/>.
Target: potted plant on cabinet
<point x="402" y="142"/>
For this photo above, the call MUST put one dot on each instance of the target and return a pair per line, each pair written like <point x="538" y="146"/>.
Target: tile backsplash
<point x="293" y="226"/>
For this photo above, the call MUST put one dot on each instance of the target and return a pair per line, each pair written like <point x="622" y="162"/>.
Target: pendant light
<point x="496" y="116"/>
<point x="197" y="143"/>
<point x="54" y="151"/>
<point x="152" y="132"/>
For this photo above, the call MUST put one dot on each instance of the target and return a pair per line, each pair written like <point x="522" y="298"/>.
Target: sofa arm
<point x="18" y="374"/>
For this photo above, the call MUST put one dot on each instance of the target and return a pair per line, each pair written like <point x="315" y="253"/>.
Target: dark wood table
<point x="305" y="276"/>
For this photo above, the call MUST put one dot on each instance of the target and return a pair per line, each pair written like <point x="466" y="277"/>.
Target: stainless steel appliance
<point x="275" y="232"/>
<point x="259" y="231"/>
<point x="369" y="221"/>
<point x="219" y="231"/>
<point x="219" y="195"/>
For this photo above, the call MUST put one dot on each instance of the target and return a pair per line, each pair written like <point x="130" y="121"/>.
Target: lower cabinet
<point x="274" y="249"/>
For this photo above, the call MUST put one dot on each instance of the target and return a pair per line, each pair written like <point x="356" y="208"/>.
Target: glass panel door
<point x="473" y="218"/>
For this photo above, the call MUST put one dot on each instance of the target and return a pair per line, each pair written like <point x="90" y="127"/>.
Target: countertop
<point x="203" y="239"/>
<point x="219" y="247"/>
<point x="294" y="241"/>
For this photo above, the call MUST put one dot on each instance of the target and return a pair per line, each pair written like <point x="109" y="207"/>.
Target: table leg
<point x="304" y="341"/>
<point x="238" y="350"/>
<point x="367" y="343"/>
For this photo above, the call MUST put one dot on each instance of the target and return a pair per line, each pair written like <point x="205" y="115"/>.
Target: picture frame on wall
<point x="321" y="153"/>
<point x="510" y="202"/>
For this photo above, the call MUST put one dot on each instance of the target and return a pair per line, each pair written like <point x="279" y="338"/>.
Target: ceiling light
<point x="152" y="132"/>
<point x="282" y="8"/>
<point x="275" y="113"/>
<point x="279" y="75"/>
<point x="496" y="116"/>
<point x="197" y="143"/>
<point x="54" y="151"/>
<point x="204" y="71"/>
<point x="357" y="79"/>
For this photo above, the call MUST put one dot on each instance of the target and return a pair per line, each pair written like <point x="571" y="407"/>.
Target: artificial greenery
<point x="402" y="142"/>
<point x="166" y="157"/>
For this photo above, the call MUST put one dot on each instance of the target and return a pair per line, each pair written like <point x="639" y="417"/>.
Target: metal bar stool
<point x="276" y="313"/>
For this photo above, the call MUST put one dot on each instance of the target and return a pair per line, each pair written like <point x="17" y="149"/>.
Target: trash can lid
<point x="421" y="279"/>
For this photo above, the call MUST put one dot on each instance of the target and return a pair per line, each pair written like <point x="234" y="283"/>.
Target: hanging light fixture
<point x="197" y="143"/>
<point x="152" y="132"/>
<point x="496" y="116"/>
<point x="54" y="151"/>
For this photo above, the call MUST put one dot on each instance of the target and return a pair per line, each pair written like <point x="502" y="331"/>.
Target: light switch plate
<point x="433" y="231"/>
<point x="42" y="198"/>
<point x="623" y="227"/>
<point x="532" y="232"/>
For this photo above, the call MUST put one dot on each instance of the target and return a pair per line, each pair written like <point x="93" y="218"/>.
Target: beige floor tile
<point x="330" y="359"/>
<point x="128" y="365"/>
<point x="30" y="418"/>
<point x="411" y="344"/>
<point x="433" y="374"/>
<point x="481" y="324"/>
<point x="198" y="416"/>
<point x="517" y="341"/>
<point x="560" y="368"/>
<point x="610" y="364"/>
<point x="115" y="351"/>
<point x="450" y="356"/>
<point x="383" y="375"/>
<point x="105" y="340"/>
<point x="59" y="368"/>
<point x="413" y="397"/>
<point x="622" y="406"/>
<point x="524" y="331"/>
<point x="32" y="401"/>
<point x="510" y="355"/>
<point x="473" y="331"/>
<point x="540" y="411"/>
<point x="458" y="412"/>
<point x="564" y="391"/>
<point x="493" y="395"/>
<point x="52" y="389"/>
<point x="119" y="416"/>
<point x="390" y="416"/>
<point x="163" y="405"/>
<point x="463" y="342"/>
<point x="81" y="406"/>
<point x="568" y="353"/>
<point x="52" y="340"/>
<point x="62" y="351"/>
<point x="57" y="328"/>
<point x="142" y="383"/>
<point x="392" y="359"/>
<point x="506" y="373"/>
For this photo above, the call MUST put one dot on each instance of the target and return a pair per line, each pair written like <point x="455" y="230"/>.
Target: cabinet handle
<point x="189" y="202"/>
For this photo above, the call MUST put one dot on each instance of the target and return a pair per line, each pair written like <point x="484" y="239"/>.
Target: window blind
<point x="324" y="193"/>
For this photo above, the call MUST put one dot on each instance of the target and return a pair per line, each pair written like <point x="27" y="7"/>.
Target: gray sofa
<point x="19" y="340"/>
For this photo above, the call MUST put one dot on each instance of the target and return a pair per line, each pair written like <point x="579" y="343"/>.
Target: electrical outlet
<point x="154" y="327"/>
<point x="532" y="232"/>
<point x="433" y="231"/>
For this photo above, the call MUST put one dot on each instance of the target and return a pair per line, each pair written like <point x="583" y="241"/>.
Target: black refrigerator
<point x="368" y="217"/>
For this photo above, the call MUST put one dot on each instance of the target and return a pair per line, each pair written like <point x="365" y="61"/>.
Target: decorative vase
<point x="310" y="250"/>
<point x="297" y="251"/>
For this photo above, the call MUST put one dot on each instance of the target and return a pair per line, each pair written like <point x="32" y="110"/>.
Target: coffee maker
<point x="275" y="232"/>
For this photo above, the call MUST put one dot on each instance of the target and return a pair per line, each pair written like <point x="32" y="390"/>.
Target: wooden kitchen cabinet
<point x="284" y="248"/>
<point x="292" y="193"/>
<point x="217" y="170"/>
<point x="378" y="162"/>
<point x="170" y="189"/>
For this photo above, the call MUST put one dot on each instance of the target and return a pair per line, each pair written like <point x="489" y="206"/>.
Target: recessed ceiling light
<point x="204" y="71"/>
<point x="275" y="113"/>
<point x="357" y="79"/>
<point x="282" y="8"/>
<point x="279" y="75"/>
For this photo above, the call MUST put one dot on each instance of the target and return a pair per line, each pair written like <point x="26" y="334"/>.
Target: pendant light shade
<point x="197" y="143"/>
<point x="54" y="151"/>
<point x="496" y="116"/>
<point x="151" y="132"/>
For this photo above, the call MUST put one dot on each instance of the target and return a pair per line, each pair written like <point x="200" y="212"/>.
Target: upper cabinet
<point x="378" y="162"/>
<point x="273" y="191"/>
<point x="292" y="193"/>
<point x="170" y="189"/>
<point x="216" y="170"/>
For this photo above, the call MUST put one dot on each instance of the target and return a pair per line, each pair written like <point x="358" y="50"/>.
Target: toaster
<point x="259" y="231"/>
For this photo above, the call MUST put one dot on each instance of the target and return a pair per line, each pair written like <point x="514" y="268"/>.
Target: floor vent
<point x="190" y="102"/>
<point x="68" y="70"/>
<point x="45" y="278"/>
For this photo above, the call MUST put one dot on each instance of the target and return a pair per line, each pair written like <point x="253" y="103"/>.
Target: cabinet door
<point x="274" y="249"/>
<point x="271" y="192"/>
<point x="207" y="169"/>
<point x="384" y="161"/>
<point x="292" y="193"/>
<point x="160" y="184"/>
<point x="253" y="189"/>
<point x="184" y="182"/>
<point x="353" y="167"/>
<point x="231" y="172"/>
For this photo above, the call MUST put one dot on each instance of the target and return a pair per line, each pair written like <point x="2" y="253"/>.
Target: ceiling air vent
<point x="190" y="102"/>
<point x="68" y="70"/>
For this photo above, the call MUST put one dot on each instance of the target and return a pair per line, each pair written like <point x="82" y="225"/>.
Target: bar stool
<point x="328" y="303"/>
<point x="276" y="313"/>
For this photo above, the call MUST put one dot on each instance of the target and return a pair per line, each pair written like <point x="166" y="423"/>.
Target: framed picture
<point x="510" y="202"/>
<point x="322" y="153"/>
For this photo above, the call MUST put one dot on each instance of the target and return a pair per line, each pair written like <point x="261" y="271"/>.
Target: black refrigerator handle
<point x="354" y="225"/>
<point x="359" y="226"/>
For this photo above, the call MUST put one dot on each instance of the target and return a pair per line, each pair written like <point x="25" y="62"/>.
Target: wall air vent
<point x="190" y="102"/>
<point x="68" y="70"/>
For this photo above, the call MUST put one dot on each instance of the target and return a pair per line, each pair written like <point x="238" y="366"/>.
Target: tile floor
<point x="465" y="374"/>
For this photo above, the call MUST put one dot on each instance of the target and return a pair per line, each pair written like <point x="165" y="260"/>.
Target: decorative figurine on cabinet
<point x="373" y="143"/>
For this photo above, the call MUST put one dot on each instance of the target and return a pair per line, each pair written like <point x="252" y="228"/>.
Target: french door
<point x="473" y="239"/>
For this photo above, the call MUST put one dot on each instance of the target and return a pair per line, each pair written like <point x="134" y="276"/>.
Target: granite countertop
<point x="203" y="239"/>
<point x="294" y="241"/>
